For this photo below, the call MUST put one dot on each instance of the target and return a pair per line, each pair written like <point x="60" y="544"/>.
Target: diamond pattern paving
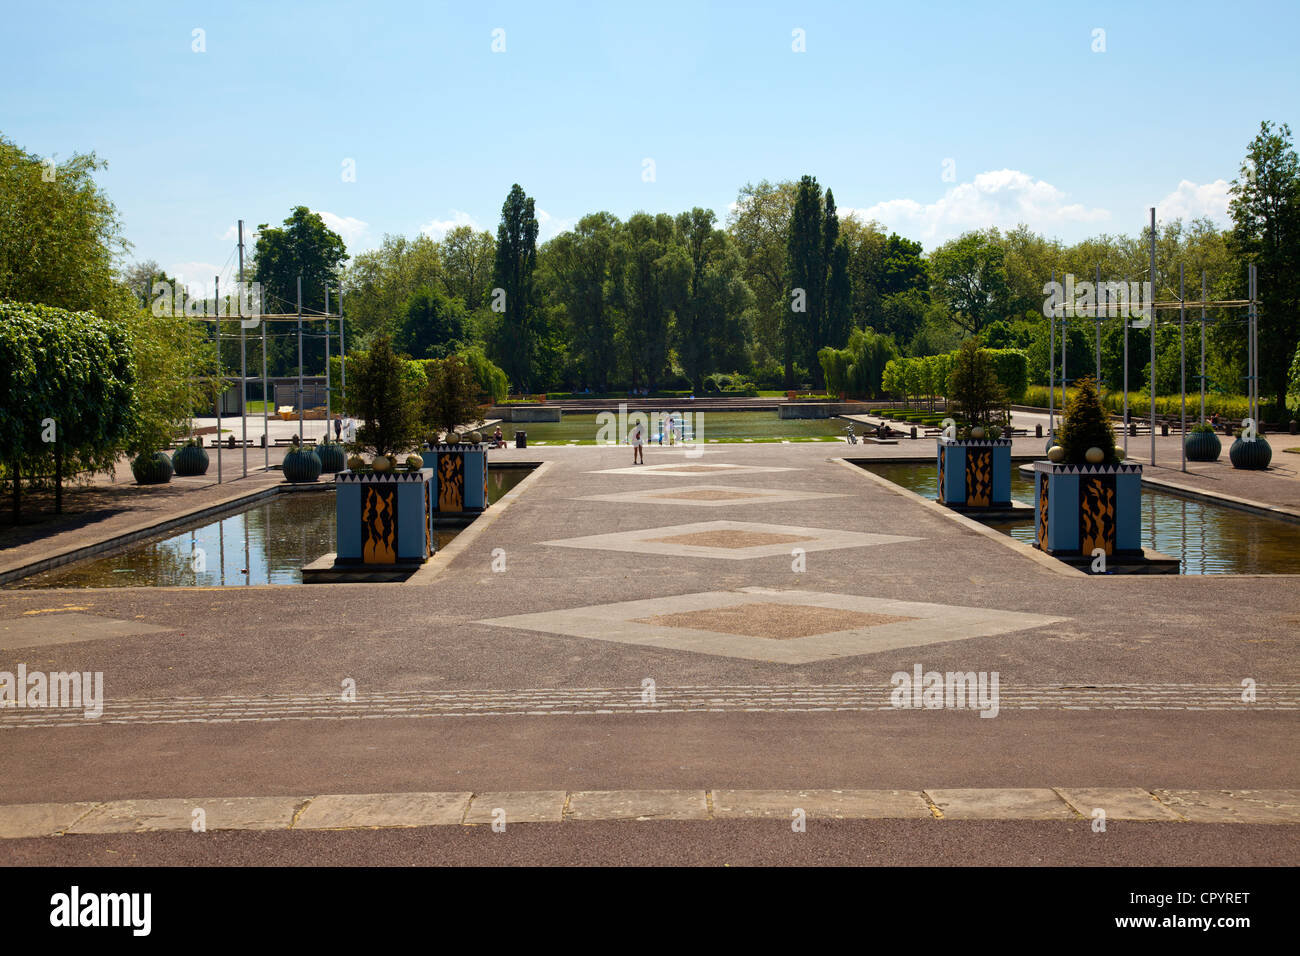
<point x="778" y="626"/>
<point x="780" y="622"/>
<point x="729" y="540"/>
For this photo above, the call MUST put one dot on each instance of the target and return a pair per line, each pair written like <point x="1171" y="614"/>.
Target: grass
<point x="257" y="407"/>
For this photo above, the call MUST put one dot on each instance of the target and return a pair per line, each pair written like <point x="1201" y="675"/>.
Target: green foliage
<point x="1232" y="407"/>
<point x="516" y="259"/>
<point x="304" y="246"/>
<point x="59" y="233"/>
<point x="385" y="391"/>
<point x="1086" y="426"/>
<point x="450" y="398"/>
<point x="970" y="273"/>
<point x="1012" y="369"/>
<point x="1265" y="211"/>
<point x="64" y="374"/>
<point x="1203" y="427"/>
<point x="975" y="396"/>
<point x="434" y="325"/>
<point x="490" y="379"/>
<point x="175" y="376"/>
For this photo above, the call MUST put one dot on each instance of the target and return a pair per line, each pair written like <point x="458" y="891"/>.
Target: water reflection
<point x="1206" y="538"/>
<point x="266" y="544"/>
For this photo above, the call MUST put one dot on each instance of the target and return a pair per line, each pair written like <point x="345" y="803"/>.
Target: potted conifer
<point x="1087" y="498"/>
<point x="974" y="460"/>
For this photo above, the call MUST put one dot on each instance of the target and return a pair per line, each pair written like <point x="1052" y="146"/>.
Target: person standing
<point x="636" y="439"/>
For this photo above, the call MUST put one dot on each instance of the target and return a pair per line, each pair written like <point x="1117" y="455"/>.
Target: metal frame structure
<point x="1250" y="303"/>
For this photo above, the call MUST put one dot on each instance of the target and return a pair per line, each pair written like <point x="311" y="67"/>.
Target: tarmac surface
<point x="1105" y="682"/>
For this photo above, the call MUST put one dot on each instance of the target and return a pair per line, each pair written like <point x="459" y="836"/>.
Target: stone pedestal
<point x="975" y="473"/>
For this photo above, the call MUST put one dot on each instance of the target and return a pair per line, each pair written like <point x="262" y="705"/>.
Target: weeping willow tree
<point x="858" y="369"/>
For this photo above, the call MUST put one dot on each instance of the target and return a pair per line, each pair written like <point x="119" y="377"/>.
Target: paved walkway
<point x="738" y="621"/>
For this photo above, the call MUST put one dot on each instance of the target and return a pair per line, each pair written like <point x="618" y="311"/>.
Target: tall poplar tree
<point x="805" y="271"/>
<point x="516" y="259"/>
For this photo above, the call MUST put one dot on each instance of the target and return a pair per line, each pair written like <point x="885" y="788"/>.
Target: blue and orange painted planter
<point x="461" y="475"/>
<point x="1080" y="508"/>
<point x="385" y="519"/>
<point x="975" y="472"/>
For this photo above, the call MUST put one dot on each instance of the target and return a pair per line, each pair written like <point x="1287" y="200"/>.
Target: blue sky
<point x="1038" y="127"/>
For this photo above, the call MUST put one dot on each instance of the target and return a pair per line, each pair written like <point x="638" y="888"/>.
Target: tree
<point x="657" y="275"/>
<point x="970" y="274"/>
<point x="434" y="325"/>
<point x="1265" y="209"/>
<point x="759" y="222"/>
<point x="304" y="246"/>
<point x="451" y="396"/>
<point x="974" y="395"/>
<point x="805" y="273"/>
<point x="467" y="264"/>
<point x="516" y="259"/>
<point x="386" y="391"/>
<point x="67" y="398"/>
<point x="588" y="279"/>
<point x="59" y="233"/>
<point x="378" y="285"/>
<point x="491" y="380"/>
<point x="711" y="319"/>
<point x="1086" y="425"/>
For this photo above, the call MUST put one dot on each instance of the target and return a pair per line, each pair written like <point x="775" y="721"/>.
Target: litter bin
<point x="521" y="439"/>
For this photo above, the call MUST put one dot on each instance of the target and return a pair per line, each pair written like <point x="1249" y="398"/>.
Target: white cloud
<point x="1190" y="201"/>
<point x="548" y="227"/>
<point x="350" y="228"/>
<point x="437" y="228"/>
<point x="1002" y="198"/>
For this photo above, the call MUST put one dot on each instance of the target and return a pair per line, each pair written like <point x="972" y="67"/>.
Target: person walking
<point x="636" y="440"/>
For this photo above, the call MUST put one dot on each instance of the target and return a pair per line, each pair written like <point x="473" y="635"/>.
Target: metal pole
<point x="1096" y="316"/>
<point x="300" y="408"/>
<point x="1202" y="345"/>
<point x="216" y="293"/>
<point x="1182" y="359"/>
<point x="343" y="365"/>
<point x="266" y="427"/>
<point x="243" y="355"/>
<point x="1254" y="337"/>
<point x="1125" y="384"/>
<point x="329" y="406"/>
<point x="1051" y="367"/>
<point x="1153" y="336"/>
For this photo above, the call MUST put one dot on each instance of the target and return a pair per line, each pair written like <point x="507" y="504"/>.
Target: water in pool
<point x="266" y="544"/>
<point x="724" y="426"/>
<point x="1206" y="538"/>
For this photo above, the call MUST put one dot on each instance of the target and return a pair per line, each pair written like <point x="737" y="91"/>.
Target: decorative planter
<point x="462" y="473"/>
<point x="975" y="473"/>
<point x="190" y="460"/>
<point x="1079" y="508"/>
<point x="1251" y="455"/>
<point x="331" y="457"/>
<point x="384" y="518"/>
<point x="155" y="469"/>
<point x="301" y="465"/>
<point x="1202" y="446"/>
